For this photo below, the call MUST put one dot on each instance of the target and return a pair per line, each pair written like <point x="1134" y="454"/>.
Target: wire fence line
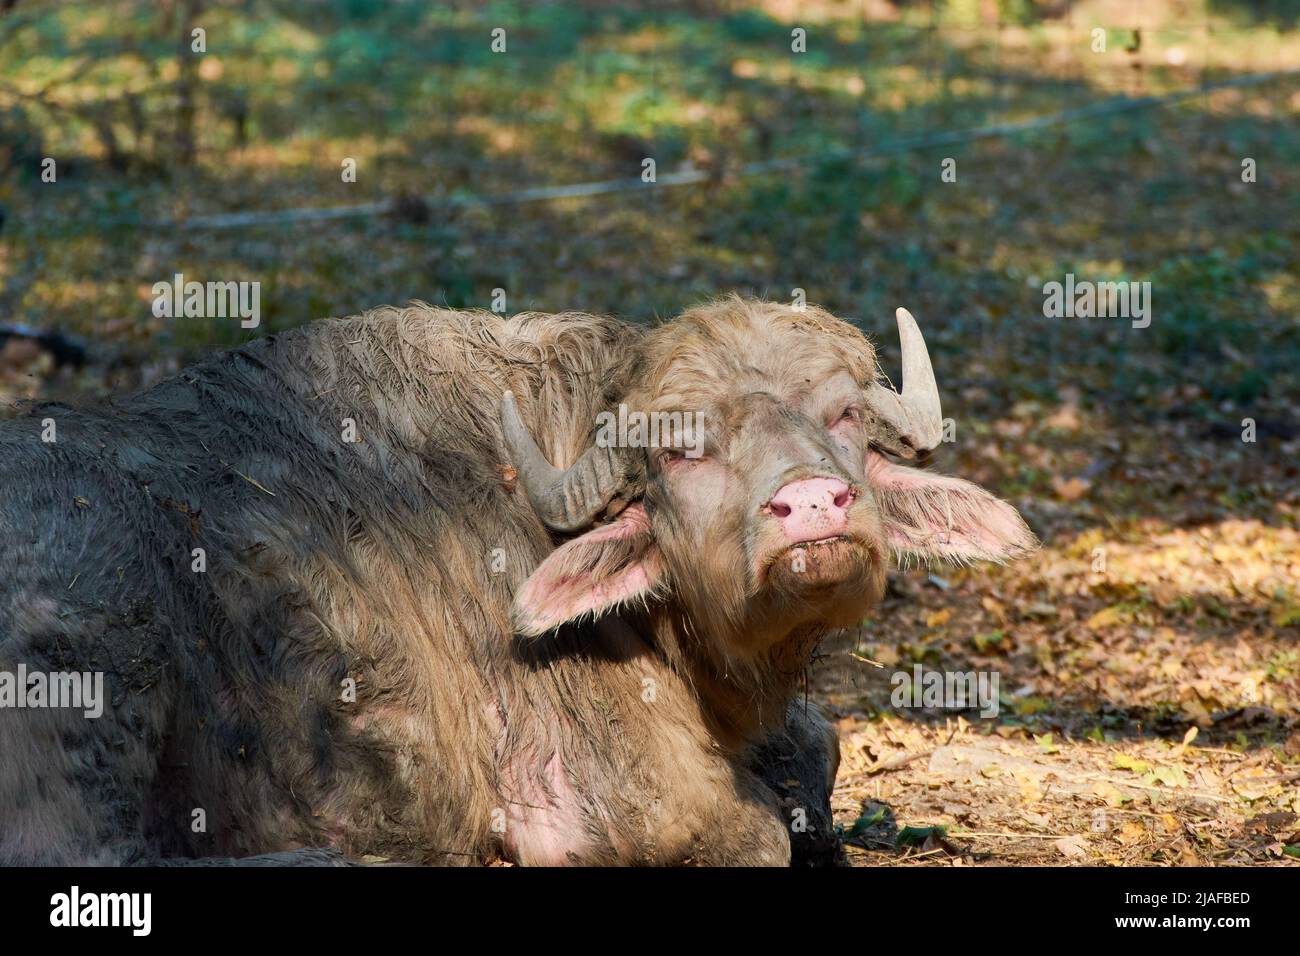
<point x="293" y="216"/>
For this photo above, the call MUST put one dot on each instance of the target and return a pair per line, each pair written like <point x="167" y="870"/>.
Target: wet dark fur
<point x="329" y="560"/>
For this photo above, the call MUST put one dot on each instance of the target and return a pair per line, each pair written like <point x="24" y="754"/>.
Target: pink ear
<point x="934" y="517"/>
<point x="614" y="564"/>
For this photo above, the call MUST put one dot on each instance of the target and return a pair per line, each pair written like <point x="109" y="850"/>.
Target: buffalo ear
<point x="933" y="517"/>
<point x="603" y="569"/>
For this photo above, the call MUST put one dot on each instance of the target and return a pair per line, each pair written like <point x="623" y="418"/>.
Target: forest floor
<point x="1137" y="730"/>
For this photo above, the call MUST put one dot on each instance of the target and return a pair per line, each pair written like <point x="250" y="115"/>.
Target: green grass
<point x="416" y="96"/>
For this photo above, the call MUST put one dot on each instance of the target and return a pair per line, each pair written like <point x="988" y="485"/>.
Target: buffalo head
<point x="784" y="480"/>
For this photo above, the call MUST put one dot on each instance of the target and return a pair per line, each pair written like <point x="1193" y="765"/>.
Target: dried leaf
<point x="1070" y="489"/>
<point x="1072" y="847"/>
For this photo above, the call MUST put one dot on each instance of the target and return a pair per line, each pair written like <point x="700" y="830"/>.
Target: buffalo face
<point x="774" y="498"/>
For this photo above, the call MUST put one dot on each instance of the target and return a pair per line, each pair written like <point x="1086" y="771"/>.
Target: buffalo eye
<point x="852" y="415"/>
<point x="670" y="459"/>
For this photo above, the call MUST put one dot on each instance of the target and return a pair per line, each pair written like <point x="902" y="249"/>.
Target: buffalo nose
<point x="812" y="508"/>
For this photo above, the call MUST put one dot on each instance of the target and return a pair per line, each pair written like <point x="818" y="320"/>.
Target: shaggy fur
<point x="390" y="564"/>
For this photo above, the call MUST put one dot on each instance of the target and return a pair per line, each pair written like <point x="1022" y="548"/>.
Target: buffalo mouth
<point x="825" y="562"/>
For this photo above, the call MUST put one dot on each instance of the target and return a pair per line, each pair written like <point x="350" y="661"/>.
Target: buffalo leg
<point x="799" y="763"/>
